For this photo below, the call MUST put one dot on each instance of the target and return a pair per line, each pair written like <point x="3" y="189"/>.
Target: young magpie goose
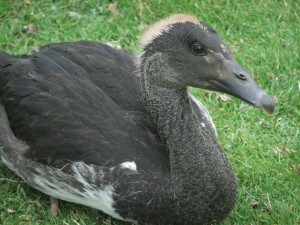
<point x="83" y="123"/>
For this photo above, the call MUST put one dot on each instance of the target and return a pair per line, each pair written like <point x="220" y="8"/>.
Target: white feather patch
<point x="204" y="112"/>
<point x="92" y="196"/>
<point x="129" y="165"/>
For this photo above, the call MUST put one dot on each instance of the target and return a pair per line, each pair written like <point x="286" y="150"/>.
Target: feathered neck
<point x="199" y="167"/>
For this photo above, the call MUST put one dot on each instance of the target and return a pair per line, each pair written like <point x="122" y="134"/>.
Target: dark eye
<point x="198" y="49"/>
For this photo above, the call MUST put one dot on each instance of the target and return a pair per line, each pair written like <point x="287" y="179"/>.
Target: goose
<point x="89" y="124"/>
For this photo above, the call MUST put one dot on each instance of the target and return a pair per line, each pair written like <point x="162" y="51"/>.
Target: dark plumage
<point x="58" y="90"/>
<point x="81" y="122"/>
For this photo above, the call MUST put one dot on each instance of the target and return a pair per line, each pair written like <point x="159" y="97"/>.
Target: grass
<point x="264" y="150"/>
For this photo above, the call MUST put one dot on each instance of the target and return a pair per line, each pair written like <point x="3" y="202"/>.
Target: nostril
<point x="241" y="76"/>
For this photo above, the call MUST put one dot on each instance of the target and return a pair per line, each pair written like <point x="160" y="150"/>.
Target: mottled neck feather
<point x="197" y="164"/>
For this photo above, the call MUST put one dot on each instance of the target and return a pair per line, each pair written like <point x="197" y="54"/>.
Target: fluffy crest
<point x="163" y="25"/>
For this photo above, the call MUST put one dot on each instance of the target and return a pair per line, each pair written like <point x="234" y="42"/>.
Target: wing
<point x="80" y="101"/>
<point x="203" y="116"/>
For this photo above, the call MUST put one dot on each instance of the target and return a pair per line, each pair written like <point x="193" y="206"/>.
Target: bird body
<point x="82" y="123"/>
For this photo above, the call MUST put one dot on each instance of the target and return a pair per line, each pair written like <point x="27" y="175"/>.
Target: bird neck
<point x="197" y="163"/>
<point x="192" y="150"/>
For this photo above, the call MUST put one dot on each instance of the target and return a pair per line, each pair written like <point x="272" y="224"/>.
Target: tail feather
<point x="7" y="137"/>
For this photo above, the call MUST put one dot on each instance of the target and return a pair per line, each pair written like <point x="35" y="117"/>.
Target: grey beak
<point x="237" y="82"/>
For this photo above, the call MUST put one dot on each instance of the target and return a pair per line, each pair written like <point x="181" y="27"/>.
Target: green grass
<point x="264" y="150"/>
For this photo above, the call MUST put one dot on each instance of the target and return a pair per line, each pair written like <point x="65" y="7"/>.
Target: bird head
<point x="193" y="54"/>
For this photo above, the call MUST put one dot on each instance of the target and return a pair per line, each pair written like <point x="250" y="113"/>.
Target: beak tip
<point x="267" y="104"/>
<point x="270" y="109"/>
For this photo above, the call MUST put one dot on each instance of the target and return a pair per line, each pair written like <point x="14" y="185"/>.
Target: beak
<point x="237" y="82"/>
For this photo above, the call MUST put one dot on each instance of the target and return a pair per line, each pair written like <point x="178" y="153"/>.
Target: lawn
<point x="264" y="150"/>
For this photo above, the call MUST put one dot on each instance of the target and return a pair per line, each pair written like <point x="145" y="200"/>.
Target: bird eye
<point x="198" y="49"/>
